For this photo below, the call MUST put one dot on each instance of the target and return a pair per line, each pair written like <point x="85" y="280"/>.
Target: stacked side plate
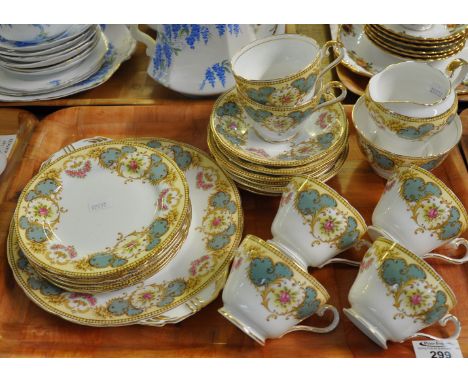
<point x="318" y="150"/>
<point x="189" y="281"/>
<point x="80" y="58"/>
<point x="103" y="217"/>
<point x="436" y="42"/>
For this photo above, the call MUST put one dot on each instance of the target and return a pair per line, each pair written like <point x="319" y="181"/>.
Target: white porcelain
<point x="415" y="89"/>
<point x="417" y="27"/>
<point x="425" y="31"/>
<point x="13" y="86"/>
<point x="282" y="70"/>
<point x="121" y="47"/>
<point x="314" y="223"/>
<point x="396" y="294"/>
<point x="266" y="294"/>
<point x="54" y="65"/>
<point x="365" y="58"/>
<point x="70" y="34"/>
<point x="43" y="50"/>
<point x="419" y="211"/>
<point x="193" y="59"/>
<point x="386" y="151"/>
<point x="31" y="34"/>
<point x="186" y="284"/>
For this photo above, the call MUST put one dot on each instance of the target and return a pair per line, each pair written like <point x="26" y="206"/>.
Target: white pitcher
<point x="194" y="58"/>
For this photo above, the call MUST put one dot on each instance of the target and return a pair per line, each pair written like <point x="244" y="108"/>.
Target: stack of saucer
<point x="319" y="149"/>
<point x="408" y="116"/>
<point x="280" y="120"/>
<point x="49" y="61"/>
<point x="103" y="217"/>
<point x="418" y="41"/>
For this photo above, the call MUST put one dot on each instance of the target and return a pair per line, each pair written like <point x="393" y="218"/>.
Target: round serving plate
<point x="321" y="132"/>
<point x="121" y="46"/>
<point x="186" y="284"/>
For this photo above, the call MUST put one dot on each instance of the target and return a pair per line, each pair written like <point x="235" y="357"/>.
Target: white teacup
<point x="31" y="33"/>
<point x="314" y="223"/>
<point x="283" y="70"/>
<point x="413" y="100"/>
<point x="267" y="294"/>
<point x="396" y="294"/>
<point x="420" y="212"/>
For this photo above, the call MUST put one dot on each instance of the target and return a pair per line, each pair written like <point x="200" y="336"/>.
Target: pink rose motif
<point x="321" y="121"/>
<point x="365" y="264"/>
<point x="204" y="180"/>
<point x="80" y="173"/>
<point x="85" y="296"/>
<point x="259" y="152"/>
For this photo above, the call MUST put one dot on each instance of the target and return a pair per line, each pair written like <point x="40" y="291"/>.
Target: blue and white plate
<point x="120" y="47"/>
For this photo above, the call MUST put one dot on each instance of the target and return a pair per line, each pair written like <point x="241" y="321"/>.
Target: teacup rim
<point x="337" y="195"/>
<point x="361" y="102"/>
<point x="423" y="264"/>
<point x="439" y="182"/>
<point x="275" y="81"/>
<point x="291" y="262"/>
<point x="452" y="109"/>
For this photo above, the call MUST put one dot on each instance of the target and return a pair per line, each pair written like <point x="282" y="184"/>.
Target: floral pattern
<point x="329" y="222"/>
<point x="206" y="179"/>
<point x="40" y="209"/>
<point x="369" y="66"/>
<point x="416" y="292"/>
<point x="430" y="209"/>
<point x="284" y="293"/>
<point x="147" y="299"/>
<point x="173" y="38"/>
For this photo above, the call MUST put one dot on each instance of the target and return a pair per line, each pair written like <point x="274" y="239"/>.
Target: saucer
<point x="186" y="284"/>
<point x="120" y="47"/>
<point x="66" y="36"/>
<point x="321" y="132"/>
<point x="365" y="58"/>
<point x="385" y="154"/>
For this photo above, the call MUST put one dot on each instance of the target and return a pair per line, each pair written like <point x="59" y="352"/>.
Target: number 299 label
<point x="437" y="349"/>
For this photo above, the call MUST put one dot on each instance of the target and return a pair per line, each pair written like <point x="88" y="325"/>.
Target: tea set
<point x="280" y="130"/>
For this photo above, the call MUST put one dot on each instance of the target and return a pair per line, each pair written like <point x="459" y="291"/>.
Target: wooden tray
<point x="26" y="330"/>
<point x="21" y="123"/>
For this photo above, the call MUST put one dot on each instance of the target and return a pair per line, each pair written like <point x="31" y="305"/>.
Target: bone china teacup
<point x="279" y="124"/>
<point x="396" y="294"/>
<point x="267" y="294"/>
<point x="314" y="223"/>
<point x="419" y="211"/>
<point x="282" y="70"/>
<point x="413" y="100"/>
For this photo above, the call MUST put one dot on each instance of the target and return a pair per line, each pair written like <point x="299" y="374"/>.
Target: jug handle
<point x="143" y="37"/>
<point x="451" y="69"/>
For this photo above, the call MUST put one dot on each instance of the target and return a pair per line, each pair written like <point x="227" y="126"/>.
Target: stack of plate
<point x="318" y="150"/>
<point x="81" y="57"/>
<point x="103" y="217"/>
<point x="190" y="280"/>
<point x="434" y="42"/>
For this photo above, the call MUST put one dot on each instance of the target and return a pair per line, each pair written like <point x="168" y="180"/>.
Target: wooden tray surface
<point x="27" y="330"/>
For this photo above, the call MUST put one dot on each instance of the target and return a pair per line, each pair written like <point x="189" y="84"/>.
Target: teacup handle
<point x="442" y="322"/>
<point x="337" y="46"/>
<point x="337" y="260"/>
<point x="455" y="243"/>
<point x="452" y="67"/>
<point x="320" y="312"/>
<point x="327" y="89"/>
<point x="143" y="37"/>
